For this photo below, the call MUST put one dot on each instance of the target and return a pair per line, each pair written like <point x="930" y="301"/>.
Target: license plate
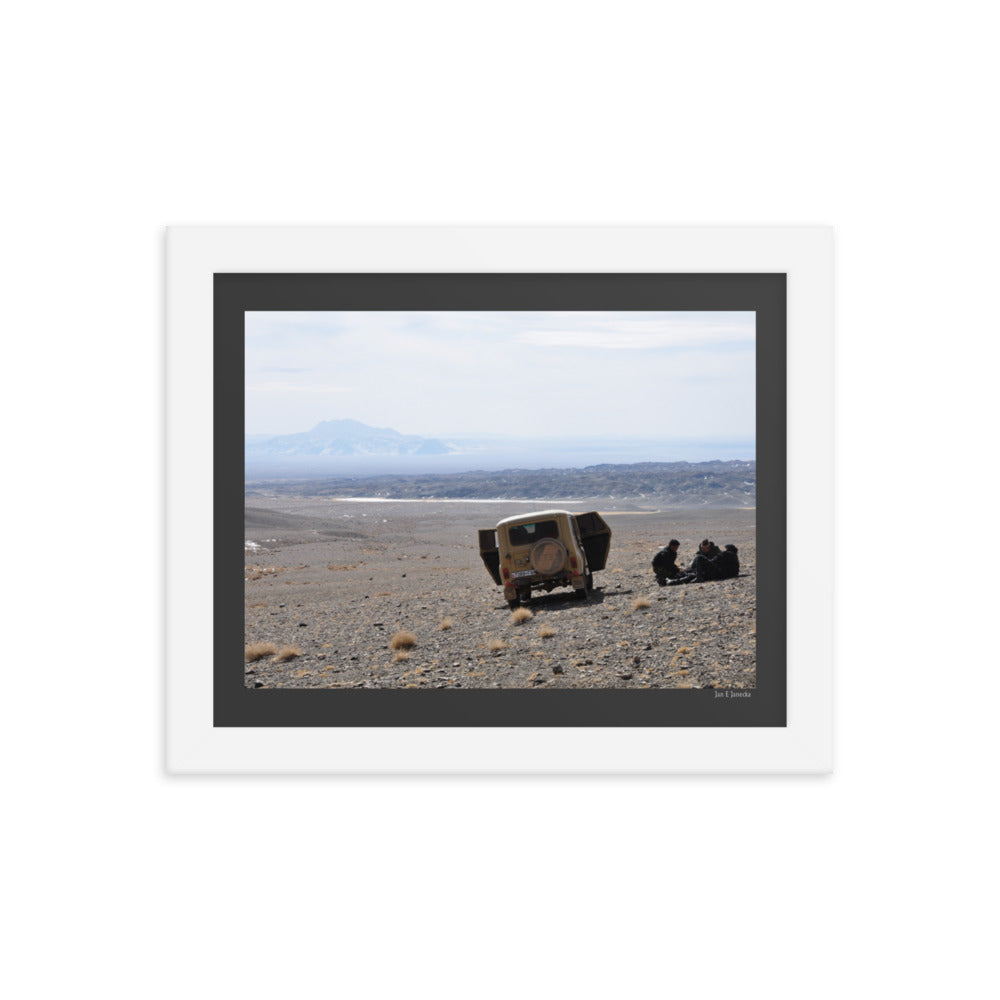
<point x="524" y="572"/>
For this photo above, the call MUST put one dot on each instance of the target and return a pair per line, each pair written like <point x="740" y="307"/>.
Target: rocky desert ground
<point x="393" y="594"/>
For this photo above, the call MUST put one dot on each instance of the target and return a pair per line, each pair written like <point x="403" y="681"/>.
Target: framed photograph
<point x="499" y="499"/>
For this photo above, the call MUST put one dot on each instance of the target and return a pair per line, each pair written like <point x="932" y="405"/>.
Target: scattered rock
<point x="595" y="644"/>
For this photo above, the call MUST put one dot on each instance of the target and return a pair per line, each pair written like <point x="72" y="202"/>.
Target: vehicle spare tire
<point x="548" y="555"/>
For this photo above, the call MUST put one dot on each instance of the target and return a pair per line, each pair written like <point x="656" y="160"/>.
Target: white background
<point x="877" y="118"/>
<point x="194" y="254"/>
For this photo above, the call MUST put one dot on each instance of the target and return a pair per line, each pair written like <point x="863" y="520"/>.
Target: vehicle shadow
<point x="563" y="601"/>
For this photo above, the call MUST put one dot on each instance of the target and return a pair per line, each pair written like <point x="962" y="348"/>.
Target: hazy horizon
<point x="496" y="453"/>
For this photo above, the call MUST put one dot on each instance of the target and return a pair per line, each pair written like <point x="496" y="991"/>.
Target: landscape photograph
<point x="474" y="500"/>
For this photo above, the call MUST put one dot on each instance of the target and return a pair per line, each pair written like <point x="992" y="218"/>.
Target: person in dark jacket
<point x="707" y="550"/>
<point x="711" y="564"/>
<point x="700" y="568"/>
<point x="665" y="562"/>
<point x="728" y="563"/>
<point x="705" y="565"/>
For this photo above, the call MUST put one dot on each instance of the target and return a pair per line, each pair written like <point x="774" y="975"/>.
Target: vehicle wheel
<point x="513" y="603"/>
<point x="582" y="594"/>
<point x="590" y="582"/>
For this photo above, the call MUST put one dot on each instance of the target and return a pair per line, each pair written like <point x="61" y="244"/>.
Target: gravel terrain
<point x="330" y="583"/>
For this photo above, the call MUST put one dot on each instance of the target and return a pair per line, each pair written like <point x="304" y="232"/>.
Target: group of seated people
<point x="709" y="563"/>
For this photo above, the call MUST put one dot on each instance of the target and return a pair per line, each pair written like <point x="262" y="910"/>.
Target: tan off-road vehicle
<point x="544" y="550"/>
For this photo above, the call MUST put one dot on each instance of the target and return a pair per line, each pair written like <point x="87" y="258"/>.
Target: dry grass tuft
<point x="495" y="645"/>
<point x="446" y="623"/>
<point x="403" y="640"/>
<point x="546" y="632"/>
<point x="257" y="572"/>
<point x="287" y="653"/>
<point x="640" y="602"/>
<point x="401" y="657"/>
<point x="258" y="650"/>
<point x="521" y="615"/>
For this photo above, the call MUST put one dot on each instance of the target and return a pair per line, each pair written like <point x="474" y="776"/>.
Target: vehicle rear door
<point x="595" y="537"/>
<point x="490" y="552"/>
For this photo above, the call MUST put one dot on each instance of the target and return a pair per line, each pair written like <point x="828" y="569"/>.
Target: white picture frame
<point x="195" y="254"/>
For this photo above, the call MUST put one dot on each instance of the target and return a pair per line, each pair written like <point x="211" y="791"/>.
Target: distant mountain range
<point x="638" y="485"/>
<point x="351" y="459"/>
<point x="334" y="438"/>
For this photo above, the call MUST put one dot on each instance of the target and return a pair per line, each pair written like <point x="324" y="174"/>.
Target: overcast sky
<point x="637" y="374"/>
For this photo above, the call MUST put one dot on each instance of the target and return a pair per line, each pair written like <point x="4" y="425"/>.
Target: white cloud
<point x="625" y="333"/>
